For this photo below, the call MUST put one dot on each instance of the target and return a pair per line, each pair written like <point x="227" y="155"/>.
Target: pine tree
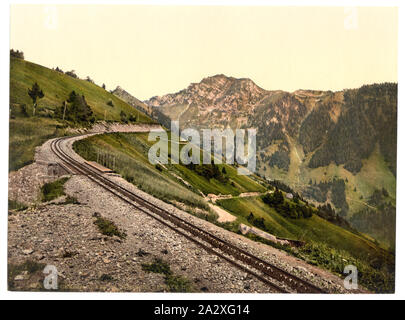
<point x="35" y="93"/>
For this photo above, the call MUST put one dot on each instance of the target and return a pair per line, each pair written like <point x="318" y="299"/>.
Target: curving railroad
<point x="278" y="280"/>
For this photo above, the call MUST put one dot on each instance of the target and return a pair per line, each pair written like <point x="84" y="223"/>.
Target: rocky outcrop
<point x="131" y="100"/>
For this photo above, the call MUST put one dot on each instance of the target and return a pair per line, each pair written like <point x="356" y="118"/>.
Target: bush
<point x="15" y="205"/>
<point x="106" y="278"/>
<point x="53" y="190"/>
<point x="133" y="118"/>
<point x="158" y="266"/>
<point x="29" y="266"/>
<point x="17" y="54"/>
<point x="71" y="74"/>
<point x="175" y="283"/>
<point x="108" y="228"/>
<point x="178" y="284"/>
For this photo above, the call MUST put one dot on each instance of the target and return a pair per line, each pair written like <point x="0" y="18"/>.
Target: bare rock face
<point x="131" y="100"/>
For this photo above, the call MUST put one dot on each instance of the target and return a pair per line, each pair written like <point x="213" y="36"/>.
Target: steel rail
<point x="269" y="270"/>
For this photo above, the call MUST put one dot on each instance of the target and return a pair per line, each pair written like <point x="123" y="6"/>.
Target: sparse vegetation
<point x="53" y="190"/>
<point x="109" y="228"/>
<point x="29" y="266"/>
<point x="174" y="283"/>
<point x="70" y="200"/>
<point x="106" y="278"/>
<point x="28" y="133"/>
<point x="16" y="206"/>
<point x="17" y="54"/>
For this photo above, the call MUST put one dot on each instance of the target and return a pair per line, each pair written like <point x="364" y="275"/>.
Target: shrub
<point x="123" y="116"/>
<point x="71" y="74"/>
<point x="106" y="277"/>
<point x="108" y="228"/>
<point x="53" y="190"/>
<point x="178" y="284"/>
<point x="15" y="205"/>
<point x="158" y="266"/>
<point x="174" y="283"/>
<point x="17" y="54"/>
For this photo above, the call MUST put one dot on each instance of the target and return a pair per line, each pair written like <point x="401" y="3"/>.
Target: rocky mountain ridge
<point x="312" y="140"/>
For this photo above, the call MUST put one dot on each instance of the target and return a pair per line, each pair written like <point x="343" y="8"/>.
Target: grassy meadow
<point x="57" y="87"/>
<point x="28" y="131"/>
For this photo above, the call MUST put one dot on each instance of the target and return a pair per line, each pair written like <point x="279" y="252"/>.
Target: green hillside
<point x="166" y="182"/>
<point x="28" y="131"/>
<point x="327" y="245"/>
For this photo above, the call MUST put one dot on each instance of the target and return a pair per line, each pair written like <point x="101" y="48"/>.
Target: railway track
<point x="277" y="279"/>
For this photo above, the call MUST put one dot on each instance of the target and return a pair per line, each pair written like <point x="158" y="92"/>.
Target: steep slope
<point x="28" y="131"/>
<point x="327" y="244"/>
<point x="334" y="147"/>
<point x="131" y="100"/>
<point x="57" y="87"/>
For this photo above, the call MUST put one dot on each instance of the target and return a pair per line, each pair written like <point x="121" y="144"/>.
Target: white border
<point x="4" y="89"/>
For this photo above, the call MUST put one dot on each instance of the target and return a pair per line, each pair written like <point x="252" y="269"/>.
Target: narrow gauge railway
<point x="277" y="279"/>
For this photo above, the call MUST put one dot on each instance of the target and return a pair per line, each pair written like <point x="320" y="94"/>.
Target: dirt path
<point x="215" y="197"/>
<point x="223" y="215"/>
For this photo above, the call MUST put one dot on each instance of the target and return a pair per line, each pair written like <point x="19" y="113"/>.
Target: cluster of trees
<point x="293" y="210"/>
<point x="378" y="197"/>
<point x="88" y="79"/>
<point x="380" y="222"/>
<point x="370" y="117"/>
<point x="72" y="74"/>
<point x="17" y="54"/>
<point x="319" y="192"/>
<point x="257" y="222"/>
<point x="326" y="212"/>
<point x="209" y="171"/>
<point x="126" y="119"/>
<point x="338" y="189"/>
<point x="75" y="108"/>
<point x="314" y="128"/>
<point x="286" y="188"/>
<point x="280" y="159"/>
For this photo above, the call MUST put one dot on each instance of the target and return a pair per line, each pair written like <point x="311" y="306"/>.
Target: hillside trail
<point x="223" y="215"/>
